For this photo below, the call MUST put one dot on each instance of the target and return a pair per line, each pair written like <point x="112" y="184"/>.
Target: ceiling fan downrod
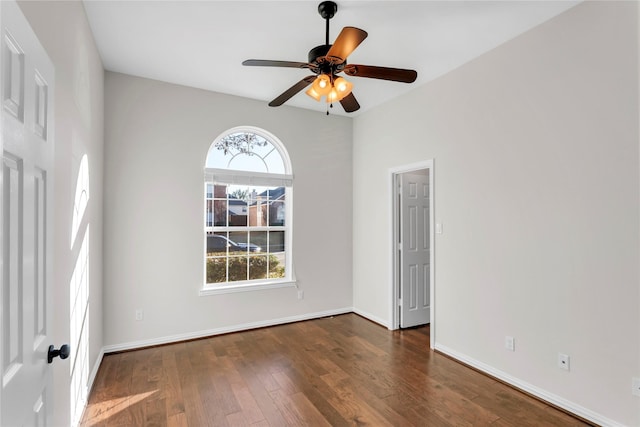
<point x="327" y="9"/>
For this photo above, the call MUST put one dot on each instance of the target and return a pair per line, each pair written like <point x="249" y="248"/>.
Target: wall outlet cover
<point x="510" y="343"/>
<point x="563" y="361"/>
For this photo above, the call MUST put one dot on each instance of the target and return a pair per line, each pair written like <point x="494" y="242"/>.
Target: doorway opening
<point x="413" y="247"/>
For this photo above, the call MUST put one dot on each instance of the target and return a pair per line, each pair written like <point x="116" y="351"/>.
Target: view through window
<point x="246" y="222"/>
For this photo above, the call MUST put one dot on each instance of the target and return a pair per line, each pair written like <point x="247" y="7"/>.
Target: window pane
<point x="216" y="269"/>
<point x="274" y="162"/>
<point x="247" y="152"/>
<point x="238" y="241"/>
<point x="237" y="268"/>
<point x="220" y="213"/>
<point x="257" y="267"/>
<point x="248" y="163"/>
<point x="220" y="192"/>
<point x="276" y="241"/>
<point x="209" y="214"/>
<point x="237" y="213"/>
<point x="276" y="213"/>
<point x="258" y="241"/>
<point x="217" y="244"/>
<point x="277" y="266"/>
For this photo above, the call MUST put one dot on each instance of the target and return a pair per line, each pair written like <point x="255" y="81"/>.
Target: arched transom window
<point x="247" y="212"/>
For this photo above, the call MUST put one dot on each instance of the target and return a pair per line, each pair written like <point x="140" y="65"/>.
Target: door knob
<point x="63" y="352"/>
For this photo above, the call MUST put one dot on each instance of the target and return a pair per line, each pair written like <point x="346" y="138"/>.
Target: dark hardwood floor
<point x="337" y="371"/>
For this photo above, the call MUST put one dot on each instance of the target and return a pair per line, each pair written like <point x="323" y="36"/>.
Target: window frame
<point x="217" y="176"/>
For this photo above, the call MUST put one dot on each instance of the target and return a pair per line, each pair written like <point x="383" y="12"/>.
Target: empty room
<point x="284" y="213"/>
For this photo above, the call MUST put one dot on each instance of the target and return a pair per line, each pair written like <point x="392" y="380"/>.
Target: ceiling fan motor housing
<point x="318" y="56"/>
<point x="318" y="53"/>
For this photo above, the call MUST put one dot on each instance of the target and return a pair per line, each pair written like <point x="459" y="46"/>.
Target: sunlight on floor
<point x="102" y="411"/>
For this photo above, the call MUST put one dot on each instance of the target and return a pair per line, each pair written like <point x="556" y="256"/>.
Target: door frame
<point x="394" y="231"/>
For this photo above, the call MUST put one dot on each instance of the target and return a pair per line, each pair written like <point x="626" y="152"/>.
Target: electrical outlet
<point x="563" y="361"/>
<point x="139" y="315"/>
<point x="635" y="386"/>
<point x="510" y="343"/>
<point x="300" y="294"/>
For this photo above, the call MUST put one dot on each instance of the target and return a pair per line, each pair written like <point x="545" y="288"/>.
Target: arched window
<point x="247" y="212"/>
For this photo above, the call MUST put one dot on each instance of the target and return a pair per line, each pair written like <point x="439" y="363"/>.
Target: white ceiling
<point x="203" y="43"/>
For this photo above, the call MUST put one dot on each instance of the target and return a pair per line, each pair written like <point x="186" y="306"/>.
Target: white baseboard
<point x="224" y="330"/>
<point x="544" y="395"/>
<point x="94" y="371"/>
<point x="91" y="379"/>
<point x="376" y="319"/>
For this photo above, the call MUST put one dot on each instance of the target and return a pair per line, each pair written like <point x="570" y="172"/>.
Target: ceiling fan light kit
<point x="327" y="60"/>
<point x="333" y="89"/>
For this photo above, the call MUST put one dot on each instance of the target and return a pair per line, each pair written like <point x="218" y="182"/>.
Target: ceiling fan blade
<point x="269" y="63"/>
<point x="383" y="73"/>
<point x="348" y="40"/>
<point x="350" y="103"/>
<point x="287" y="94"/>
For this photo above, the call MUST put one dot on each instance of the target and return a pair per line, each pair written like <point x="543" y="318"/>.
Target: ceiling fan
<point x="327" y="61"/>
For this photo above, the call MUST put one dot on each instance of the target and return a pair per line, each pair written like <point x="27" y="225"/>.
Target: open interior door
<point x="26" y="88"/>
<point x="414" y="249"/>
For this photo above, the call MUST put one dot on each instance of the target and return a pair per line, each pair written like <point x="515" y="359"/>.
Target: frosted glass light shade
<point x="333" y="96"/>
<point x="322" y="84"/>
<point x="312" y="93"/>
<point x="343" y="87"/>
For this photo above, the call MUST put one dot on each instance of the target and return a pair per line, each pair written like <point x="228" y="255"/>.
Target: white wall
<point x="537" y="186"/>
<point x="157" y="137"/>
<point x="64" y="32"/>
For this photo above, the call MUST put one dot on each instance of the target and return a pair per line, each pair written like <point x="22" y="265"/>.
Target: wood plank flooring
<point x="338" y="371"/>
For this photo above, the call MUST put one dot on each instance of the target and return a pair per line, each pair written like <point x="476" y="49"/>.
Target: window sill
<point x="246" y="287"/>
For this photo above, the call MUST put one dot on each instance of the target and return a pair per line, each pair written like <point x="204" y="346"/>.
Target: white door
<point x="414" y="249"/>
<point x="26" y="88"/>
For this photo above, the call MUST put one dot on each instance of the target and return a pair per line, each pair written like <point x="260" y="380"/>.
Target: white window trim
<point x="237" y="177"/>
<point x="247" y="287"/>
<point x="233" y="177"/>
